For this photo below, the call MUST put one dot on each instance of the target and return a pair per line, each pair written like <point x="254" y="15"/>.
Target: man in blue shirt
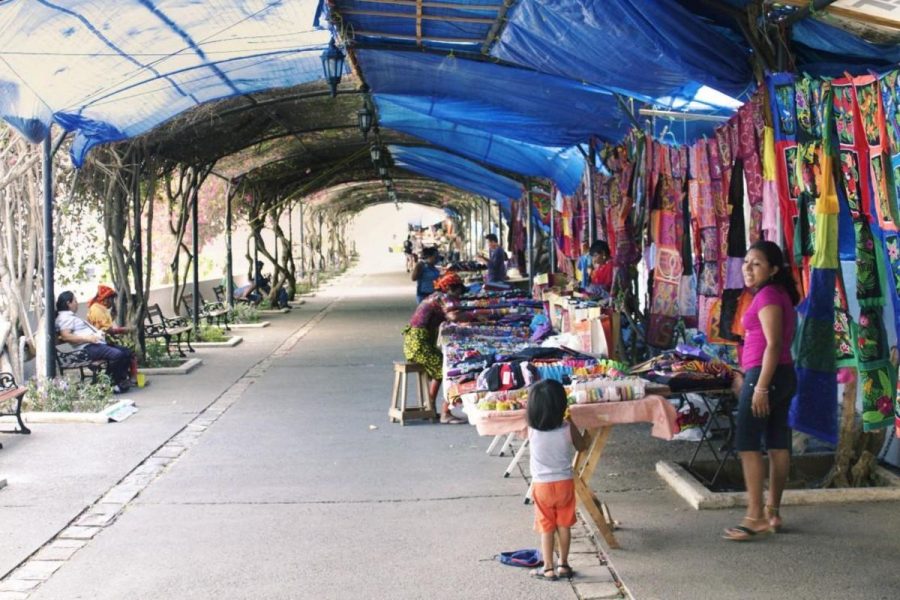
<point x="495" y="260"/>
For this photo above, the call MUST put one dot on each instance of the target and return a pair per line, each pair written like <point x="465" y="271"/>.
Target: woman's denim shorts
<point x="750" y="430"/>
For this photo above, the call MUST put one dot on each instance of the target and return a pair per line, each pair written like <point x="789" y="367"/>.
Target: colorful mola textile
<point x="877" y="378"/>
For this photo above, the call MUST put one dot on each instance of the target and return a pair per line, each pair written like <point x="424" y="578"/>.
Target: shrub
<point x="156" y="356"/>
<point x="245" y="313"/>
<point x="211" y="333"/>
<point x="63" y="395"/>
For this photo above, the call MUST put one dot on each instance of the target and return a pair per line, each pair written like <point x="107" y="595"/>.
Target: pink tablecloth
<point x="650" y="409"/>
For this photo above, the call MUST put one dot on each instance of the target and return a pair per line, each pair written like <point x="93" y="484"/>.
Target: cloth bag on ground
<point x="529" y="558"/>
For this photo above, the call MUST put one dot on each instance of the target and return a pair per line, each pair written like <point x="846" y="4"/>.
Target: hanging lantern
<point x="364" y="121"/>
<point x="333" y="66"/>
<point x="382" y="171"/>
<point x="375" y="153"/>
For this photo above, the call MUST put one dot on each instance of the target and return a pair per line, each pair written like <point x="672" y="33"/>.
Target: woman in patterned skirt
<point x="420" y="337"/>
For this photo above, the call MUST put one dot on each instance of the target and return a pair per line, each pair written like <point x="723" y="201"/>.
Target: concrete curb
<point x="184" y="369"/>
<point x="258" y="325"/>
<point x="275" y="311"/>
<point x="686" y="486"/>
<point x="229" y="343"/>
<point x="100" y="418"/>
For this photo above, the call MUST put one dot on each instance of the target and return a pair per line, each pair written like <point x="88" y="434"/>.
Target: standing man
<point x="495" y="260"/>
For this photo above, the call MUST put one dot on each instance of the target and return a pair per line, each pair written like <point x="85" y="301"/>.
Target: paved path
<point x="260" y="476"/>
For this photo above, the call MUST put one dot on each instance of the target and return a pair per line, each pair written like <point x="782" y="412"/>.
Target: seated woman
<point x="601" y="268"/>
<point x="261" y="283"/>
<point x="101" y="311"/>
<point x="83" y="336"/>
<point x="420" y="337"/>
<point x="101" y="314"/>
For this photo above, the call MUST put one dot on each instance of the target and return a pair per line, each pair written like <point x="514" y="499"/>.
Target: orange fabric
<point x="103" y="292"/>
<point x="554" y="505"/>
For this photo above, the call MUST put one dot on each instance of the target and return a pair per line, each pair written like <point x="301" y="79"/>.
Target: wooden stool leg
<point x="426" y="397"/>
<point x="395" y="397"/>
<point x="403" y="392"/>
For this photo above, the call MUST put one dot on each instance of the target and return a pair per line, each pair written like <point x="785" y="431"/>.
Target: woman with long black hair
<point x="766" y="387"/>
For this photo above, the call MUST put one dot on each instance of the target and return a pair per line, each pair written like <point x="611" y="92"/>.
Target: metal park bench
<point x="69" y="359"/>
<point x="11" y="401"/>
<point x="158" y="326"/>
<point x="211" y="311"/>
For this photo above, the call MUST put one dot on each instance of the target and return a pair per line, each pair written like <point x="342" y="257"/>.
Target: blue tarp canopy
<point x="643" y="48"/>
<point x="114" y="70"/>
<point x="513" y="86"/>
<point x="514" y="103"/>
<point x="565" y="166"/>
<point x="458" y="172"/>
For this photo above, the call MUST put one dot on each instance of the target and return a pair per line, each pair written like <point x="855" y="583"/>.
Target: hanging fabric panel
<point x="877" y="377"/>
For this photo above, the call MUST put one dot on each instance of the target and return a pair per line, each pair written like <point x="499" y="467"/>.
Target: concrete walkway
<point x="260" y="476"/>
<point x="271" y="472"/>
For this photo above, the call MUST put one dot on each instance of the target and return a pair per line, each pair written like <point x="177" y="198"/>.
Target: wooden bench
<point x="70" y="359"/>
<point x="11" y="395"/>
<point x="211" y="311"/>
<point x="158" y="326"/>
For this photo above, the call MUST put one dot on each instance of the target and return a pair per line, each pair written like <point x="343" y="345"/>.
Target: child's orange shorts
<point x="554" y="505"/>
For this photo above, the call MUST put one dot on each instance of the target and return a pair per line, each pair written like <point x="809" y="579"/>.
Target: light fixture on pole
<point x="382" y="171"/>
<point x="333" y="66"/>
<point x="375" y="153"/>
<point x="364" y="121"/>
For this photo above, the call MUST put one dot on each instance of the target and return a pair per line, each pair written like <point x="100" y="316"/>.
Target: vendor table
<point x="597" y="420"/>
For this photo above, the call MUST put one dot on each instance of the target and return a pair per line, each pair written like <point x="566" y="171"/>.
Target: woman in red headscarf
<point x="100" y="315"/>
<point x="420" y="337"/>
<point x="100" y="311"/>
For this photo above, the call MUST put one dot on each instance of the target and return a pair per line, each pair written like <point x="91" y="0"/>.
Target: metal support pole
<point x="195" y="245"/>
<point x="302" y="242"/>
<point x="490" y="211"/>
<point x="291" y="238"/>
<point x="229" y="257"/>
<point x="552" y="236"/>
<point x="592" y="220"/>
<point x="500" y="235"/>
<point x="138" y="253"/>
<point x="49" y="262"/>
<point x="530" y="242"/>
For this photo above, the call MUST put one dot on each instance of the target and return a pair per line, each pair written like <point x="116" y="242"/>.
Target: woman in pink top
<point x="766" y="387"/>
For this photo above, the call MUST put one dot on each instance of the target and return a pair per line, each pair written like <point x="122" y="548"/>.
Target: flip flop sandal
<point x="542" y="574"/>
<point x="742" y="533"/>
<point x="567" y="574"/>
<point x="451" y="421"/>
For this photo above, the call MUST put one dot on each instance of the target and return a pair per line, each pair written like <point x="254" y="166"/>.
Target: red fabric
<point x="602" y="275"/>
